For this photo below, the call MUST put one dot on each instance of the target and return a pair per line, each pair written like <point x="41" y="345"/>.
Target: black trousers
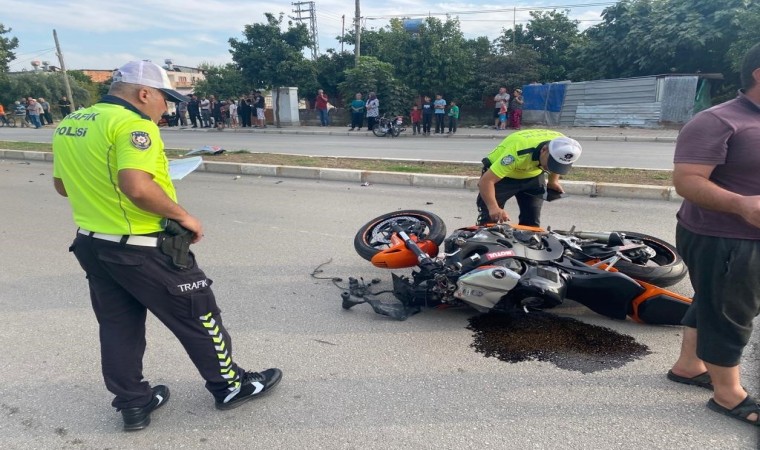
<point x="356" y="120"/>
<point x="439" y="123"/>
<point x="125" y="282"/>
<point x="426" y="121"/>
<point x="527" y="192"/>
<point x="195" y="117"/>
<point x="453" y="124"/>
<point x="371" y="123"/>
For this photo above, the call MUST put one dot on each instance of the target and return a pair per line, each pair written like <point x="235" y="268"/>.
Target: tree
<point x="223" y="81"/>
<point x="7" y="45"/>
<point x="271" y="57"/>
<point x="649" y="37"/>
<point x="552" y="36"/>
<point x="48" y="85"/>
<point x="373" y="75"/>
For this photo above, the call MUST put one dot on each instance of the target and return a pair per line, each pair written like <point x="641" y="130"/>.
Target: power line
<point x="490" y="11"/>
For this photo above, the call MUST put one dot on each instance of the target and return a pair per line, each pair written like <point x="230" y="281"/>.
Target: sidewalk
<point x="580" y="133"/>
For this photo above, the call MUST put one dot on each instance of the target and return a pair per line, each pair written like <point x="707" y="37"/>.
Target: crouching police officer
<point x="110" y="163"/>
<point x="515" y="168"/>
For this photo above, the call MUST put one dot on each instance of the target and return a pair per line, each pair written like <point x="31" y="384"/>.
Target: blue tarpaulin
<point x="543" y="103"/>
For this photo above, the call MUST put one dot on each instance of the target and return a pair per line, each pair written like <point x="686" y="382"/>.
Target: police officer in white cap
<point x="515" y="168"/>
<point x="110" y="163"/>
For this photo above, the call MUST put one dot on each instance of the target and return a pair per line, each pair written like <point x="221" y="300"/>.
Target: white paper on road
<point x="179" y="168"/>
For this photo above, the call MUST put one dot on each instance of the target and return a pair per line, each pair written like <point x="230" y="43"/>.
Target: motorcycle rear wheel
<point x="375" y="235"/>
<point x="665" y="269"/>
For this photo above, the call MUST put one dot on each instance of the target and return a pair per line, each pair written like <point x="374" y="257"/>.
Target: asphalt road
<point x="353" y="379"/>
<point x="646" y="155"/>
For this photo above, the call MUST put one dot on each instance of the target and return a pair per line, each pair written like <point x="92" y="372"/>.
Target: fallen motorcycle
<point x="501" y="267"/>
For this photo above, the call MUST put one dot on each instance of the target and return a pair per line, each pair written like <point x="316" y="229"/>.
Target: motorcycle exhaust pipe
<point x="607" y="237"/>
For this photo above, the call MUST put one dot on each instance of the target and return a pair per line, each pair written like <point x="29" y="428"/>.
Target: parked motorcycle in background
<point x="386" y="126"/>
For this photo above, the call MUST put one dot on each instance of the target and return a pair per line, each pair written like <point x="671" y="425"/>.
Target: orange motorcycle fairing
<point x="654" y="306"/>
<point x="397" y="256"/>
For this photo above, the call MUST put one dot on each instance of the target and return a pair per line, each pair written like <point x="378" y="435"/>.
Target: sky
<point x="98" y="34"/>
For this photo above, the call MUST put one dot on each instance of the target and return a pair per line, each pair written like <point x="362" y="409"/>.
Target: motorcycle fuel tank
<point x="483" y="288"/>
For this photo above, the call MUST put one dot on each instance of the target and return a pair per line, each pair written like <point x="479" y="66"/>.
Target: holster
<point x="175" y="243"/>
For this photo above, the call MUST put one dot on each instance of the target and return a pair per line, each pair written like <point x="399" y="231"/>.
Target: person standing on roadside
<point x="320" y="105"/>
<point x="373" y="110"/>
<point x="439" y="106"/>
<point x="497" y="99"/>
<point x="33" y="109"/>
<point x="515" y="109"/>
<point x="194" y="109"/>
<point x="357" y="112"/>
<point x="65" y="106"/>
<point x="133" y="243"/>
<point x="453" y="117"/>
<point x="48" y="118"/>
<point x="718" y="236"/>
<point x="427" y="115"/>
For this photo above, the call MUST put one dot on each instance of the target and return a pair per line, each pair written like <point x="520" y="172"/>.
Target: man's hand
<point x="498" y="216"/>
<point x="194" y="225"/>
<point x="749" y="209"/>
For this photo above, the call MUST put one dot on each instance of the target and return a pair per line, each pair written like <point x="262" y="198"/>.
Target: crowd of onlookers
<point x="210" y="112"/>
<point x="31" y="112"/>
<point x="445" y="115"/>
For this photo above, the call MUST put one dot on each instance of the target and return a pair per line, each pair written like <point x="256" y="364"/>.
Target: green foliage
<point x="647" y="37"/>
<point x="270" y="57"/>
<point x="48" y="85"/>
<point x="373" y="75"/>
<point x="7" y="45"/>
<point x="224" y="81"/>
<point x="330" y="69"/>
<point x="552" y="36"/>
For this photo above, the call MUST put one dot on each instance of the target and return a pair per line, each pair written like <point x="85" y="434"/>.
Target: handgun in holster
<point x="175" y="242"/>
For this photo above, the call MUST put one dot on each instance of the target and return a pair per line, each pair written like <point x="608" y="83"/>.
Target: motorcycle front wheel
<point x="665" y="269"/>
<point x="380" y="130"/>
<point x="375" y="235"/>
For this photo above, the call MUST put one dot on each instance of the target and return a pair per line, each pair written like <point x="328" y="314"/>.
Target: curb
<point x="365" y="177"/>
<point x="460" y="135"/>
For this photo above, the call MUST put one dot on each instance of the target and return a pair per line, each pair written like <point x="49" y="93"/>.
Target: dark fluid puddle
<point x="565" y="342"/>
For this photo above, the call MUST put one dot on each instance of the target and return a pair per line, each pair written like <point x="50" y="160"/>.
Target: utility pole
<point x="358" y="32"/>
<point x="312" y="18"/>
<point x="63" y="69"/>
<point x="342" y="31"/>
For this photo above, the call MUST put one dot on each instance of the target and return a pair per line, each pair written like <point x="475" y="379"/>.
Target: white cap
<point x="146" y="73"/>
<point x="563" y="152"/>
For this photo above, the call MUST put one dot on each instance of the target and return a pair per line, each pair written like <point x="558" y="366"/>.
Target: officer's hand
<point x="555" y="186"/>
<point x="194" y="225"/>
<point x="498" y="216"/>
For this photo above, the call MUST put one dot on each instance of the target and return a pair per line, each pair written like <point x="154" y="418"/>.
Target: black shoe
<point x="139" y="417"/>
<point x="253" y="385"/>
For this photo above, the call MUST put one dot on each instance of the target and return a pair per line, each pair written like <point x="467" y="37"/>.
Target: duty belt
<point x="150" y="240"/>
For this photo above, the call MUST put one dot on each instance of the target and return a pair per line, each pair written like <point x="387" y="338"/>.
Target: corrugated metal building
<point x="645" y="102"/>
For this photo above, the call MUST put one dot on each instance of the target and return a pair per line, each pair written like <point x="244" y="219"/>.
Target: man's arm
<point x="140" y="188"/>
<point x="487" y="187"/>
<point x="692" y="182"/>
<point x="59" y="187"/>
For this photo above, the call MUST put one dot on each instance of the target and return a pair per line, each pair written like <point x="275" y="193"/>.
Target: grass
<point x="599" y="175"/>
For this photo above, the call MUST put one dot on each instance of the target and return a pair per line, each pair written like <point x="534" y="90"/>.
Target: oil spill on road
<point x="565" y="342"/>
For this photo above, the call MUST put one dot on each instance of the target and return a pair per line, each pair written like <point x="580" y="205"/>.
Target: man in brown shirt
<point x="717" y="172"/>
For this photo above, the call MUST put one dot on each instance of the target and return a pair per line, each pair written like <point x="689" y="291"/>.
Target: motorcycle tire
<point x="665" y="269"/>
<point x="395" y="131"/>
<point x="375" y="235"/>
<point x="379" y="130"/>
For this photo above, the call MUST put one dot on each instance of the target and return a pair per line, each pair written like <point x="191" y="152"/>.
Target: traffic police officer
<point x="109" y="161"/>
<point x="515" y="169"/>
